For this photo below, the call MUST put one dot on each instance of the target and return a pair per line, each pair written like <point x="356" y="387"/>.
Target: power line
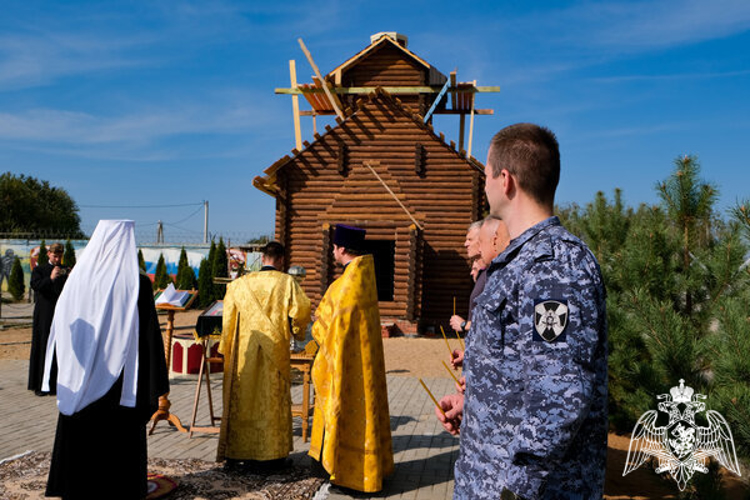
<point x="142" y="206"/>
<point x="186" y="218"/>
<point x="182" y="228"/>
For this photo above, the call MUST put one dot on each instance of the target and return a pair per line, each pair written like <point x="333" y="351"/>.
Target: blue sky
<point x="170" y="103"/>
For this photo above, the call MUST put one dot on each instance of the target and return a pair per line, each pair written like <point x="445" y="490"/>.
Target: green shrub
<point x="16" y="285"/>
<point x="42" y="258"/>
<point x="161" y="278"/>
<point x="69" y="257"/>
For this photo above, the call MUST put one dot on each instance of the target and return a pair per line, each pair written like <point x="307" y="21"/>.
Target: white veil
<point x="95" y="325"/>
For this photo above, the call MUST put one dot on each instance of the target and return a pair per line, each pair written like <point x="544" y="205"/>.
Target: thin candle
<point x="446" y="342"/>
<point x="451" y="372"/>
<point x="463" y="348"/>
<point x="433" y="398"/>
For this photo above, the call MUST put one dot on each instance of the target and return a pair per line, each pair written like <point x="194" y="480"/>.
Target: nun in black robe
<point x="100" y="451"/>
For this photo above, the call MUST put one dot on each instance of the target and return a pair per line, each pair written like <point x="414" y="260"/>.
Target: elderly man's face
<point x="55" y="258"/>
<point x="472" y="243"/>
<point x="487" y="240"/>
<point x="493" y="187"/>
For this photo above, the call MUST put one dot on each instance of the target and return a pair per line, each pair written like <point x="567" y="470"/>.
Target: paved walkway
<point x="423" y="452"/>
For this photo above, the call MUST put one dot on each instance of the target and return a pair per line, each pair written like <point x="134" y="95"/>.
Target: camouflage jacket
<point x="535" y="410"/>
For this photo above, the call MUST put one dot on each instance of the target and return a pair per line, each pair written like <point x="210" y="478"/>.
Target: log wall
<point x="389" y="67"/>
<point x="445" y="197"/>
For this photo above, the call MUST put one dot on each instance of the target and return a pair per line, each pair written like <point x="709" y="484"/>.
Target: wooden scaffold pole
<point x="295" y="105"/>
<point x="334" y="100"/>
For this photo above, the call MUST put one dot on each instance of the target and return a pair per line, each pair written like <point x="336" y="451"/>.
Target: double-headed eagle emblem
<point x="681" y="447"/>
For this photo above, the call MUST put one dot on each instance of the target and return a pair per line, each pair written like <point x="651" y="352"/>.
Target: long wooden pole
<point x="324" y="83"/>
<point x="414" y="89"/>
<point x="295" y="105"/>
<point x="471" y="124"/>
<point x="462" y="118"/>
<point x="367" y="164"/>
<point x="461" y="131"/>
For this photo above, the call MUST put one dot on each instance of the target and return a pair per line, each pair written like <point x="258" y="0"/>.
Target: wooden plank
<point x="483" y="112"/>
<point x="464" y="113"/>
<point x="453" y="85"/>
<point x="368" y="165"/>
<point x="295" y="104"/>
<point x="471" y="125"/>
<point x="412" y="89"/>
<point x="334" y="101"/>
<point x="461" y="130"/>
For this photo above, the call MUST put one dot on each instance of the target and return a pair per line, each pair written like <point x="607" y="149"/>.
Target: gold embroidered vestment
<point x="256" y="421"/>
<point x="351" y="433"/>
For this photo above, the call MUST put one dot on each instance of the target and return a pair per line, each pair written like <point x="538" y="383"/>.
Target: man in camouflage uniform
<point x="534" y="419"/>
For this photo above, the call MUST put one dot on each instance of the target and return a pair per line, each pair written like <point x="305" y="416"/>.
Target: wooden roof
<point x="267" y="183"/>
<point x="435" y="76"/>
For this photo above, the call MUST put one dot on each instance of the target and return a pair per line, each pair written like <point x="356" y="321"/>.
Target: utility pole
<point x="2" y="277"/>
<point x="205" y="222"/>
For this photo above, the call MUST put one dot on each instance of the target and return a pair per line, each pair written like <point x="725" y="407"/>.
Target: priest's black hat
<point x="348" y="236"/>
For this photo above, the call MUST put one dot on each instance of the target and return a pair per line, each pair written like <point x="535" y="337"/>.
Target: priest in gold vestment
<point x="351" y="434"/>
<point x="262" y="310"/>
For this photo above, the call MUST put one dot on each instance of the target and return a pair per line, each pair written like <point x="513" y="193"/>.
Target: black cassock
<point x="47" y="292"/>
<point x="100" y="452"/>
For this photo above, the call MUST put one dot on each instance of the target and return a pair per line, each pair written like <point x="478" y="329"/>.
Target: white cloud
<point x="65" y="131"/>
<point x="638" y="26"/>
<point x="671" y="77"/>
<point x="33" y="59"/>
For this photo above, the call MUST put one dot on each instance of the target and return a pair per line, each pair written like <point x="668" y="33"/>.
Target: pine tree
<point x="185" y="274"/>
<point x="689" y="202"/>
<point x="219" y="266"/>
<point x="42" y="257"/>
<point x="16" y="285"/>
<point x="141" y="260"/>
<point x="205" y="284"/>
<point x="161" y="278"/>
<point x="69" y="257"/>
<point x="183" y="260"/>
<point x="186" y="279"/>
<point x="678" y="290"/>
<point x="732" y="342"/>
<point x="210" y="287"/>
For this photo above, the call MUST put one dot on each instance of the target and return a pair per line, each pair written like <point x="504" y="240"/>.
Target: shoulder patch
<point x="550" y="319"/>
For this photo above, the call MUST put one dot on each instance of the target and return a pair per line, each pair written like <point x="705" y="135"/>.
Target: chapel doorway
<point x="383" y="252"/>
